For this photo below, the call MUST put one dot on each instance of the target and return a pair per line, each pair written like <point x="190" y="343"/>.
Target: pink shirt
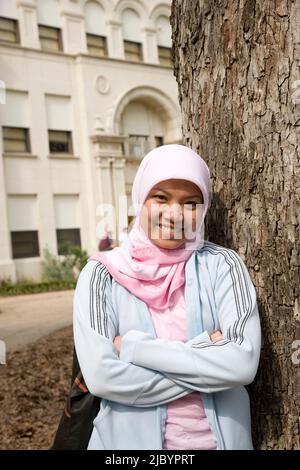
<point x="187" y="426"/>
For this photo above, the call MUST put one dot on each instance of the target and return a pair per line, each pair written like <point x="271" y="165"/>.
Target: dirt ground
<point x="34" y="385"/>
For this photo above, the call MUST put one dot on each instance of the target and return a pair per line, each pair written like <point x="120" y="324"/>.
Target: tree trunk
<point x="237" y="64"/>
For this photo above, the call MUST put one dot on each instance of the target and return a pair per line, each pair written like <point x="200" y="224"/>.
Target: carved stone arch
<point x="157" y="99"/>
<point x="105" y="4"/>
<point x="162" y="9"/>
<point x="138" y="6"/>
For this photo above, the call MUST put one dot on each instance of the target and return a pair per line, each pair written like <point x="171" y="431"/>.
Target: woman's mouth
<point x="169" y="230"/>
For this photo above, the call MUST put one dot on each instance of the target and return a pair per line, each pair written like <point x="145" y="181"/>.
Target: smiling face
<point x="171" y="213"/>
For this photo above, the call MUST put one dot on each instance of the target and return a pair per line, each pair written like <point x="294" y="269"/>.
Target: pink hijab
<point x="152" y="273"/>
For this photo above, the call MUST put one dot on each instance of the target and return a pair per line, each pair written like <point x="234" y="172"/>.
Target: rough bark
<point x="237" y="64"/>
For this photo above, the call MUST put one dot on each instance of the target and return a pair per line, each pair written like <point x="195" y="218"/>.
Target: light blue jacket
<point x="150" y="372"/>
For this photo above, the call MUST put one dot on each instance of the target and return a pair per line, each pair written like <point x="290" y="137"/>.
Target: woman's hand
<point x="216" y="336"/>
<point x="117" y="343"/>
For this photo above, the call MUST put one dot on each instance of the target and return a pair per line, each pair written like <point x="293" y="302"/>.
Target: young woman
<point x="166" y="327"/>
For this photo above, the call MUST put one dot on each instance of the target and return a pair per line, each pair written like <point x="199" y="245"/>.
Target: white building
<point x="86" y="89"/>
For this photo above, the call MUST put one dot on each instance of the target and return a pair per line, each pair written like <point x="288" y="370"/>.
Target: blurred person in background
<point x="106" y="242"/>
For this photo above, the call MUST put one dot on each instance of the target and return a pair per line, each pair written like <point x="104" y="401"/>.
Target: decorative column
<point x="28" y="24"/>
<point x="115" y="40"/>
<point x="110" y="167"/>
<point x="73" y="30"/>
<point x="118" y="171"/>
<point x="7" y="265"/>
<point x="150" y="46"/>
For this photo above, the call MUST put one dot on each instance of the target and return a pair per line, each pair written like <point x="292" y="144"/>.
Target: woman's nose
<point x="173" y="214"/>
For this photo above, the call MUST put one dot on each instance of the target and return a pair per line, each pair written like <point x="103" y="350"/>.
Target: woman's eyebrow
<point x="159" y="189"/>
<point x="169" y="194"/>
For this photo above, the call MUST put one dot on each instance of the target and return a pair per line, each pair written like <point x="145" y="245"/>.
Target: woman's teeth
<point x="167" y="229"/>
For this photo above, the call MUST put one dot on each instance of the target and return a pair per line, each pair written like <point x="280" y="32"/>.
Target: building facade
<point x="86" y="89"/>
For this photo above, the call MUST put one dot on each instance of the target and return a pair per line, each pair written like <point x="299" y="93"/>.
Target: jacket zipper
<point x="148" y="323"/>
<point x="199" y="317"/>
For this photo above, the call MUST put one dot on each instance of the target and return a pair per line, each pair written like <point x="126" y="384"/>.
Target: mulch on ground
<point x="34" y="386"/>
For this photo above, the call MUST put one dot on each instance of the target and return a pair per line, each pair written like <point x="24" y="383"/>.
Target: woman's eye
<point x="191" y="205"/>
<point x="160" y="197"/>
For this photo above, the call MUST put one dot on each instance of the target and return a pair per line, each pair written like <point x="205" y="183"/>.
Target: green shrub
<point x="58" y="273"/>
<point x="65" y="267"/>
<point x="34" y="288"/>
<point x="5" y="281"/>
<point x="80" y="256"/>
<point x="56" y="269"/>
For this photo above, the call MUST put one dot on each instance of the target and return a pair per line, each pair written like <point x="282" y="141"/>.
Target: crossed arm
<point x="152" y="371"/>
<point x="214" y="337"/>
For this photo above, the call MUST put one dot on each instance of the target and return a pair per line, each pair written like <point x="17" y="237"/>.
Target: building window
<point x="60" y="141"/>
<point x="133" y="51"/>
<point x="159" y="141"/>
<point x="67" y="237"/>
<point x="25" y="244"/>
<point x="165" y="56"/>
<point x="96" y="45"/>
<point x="9" y="30"/>
<point x="139" y="145"/>
<point x="16" y="139"/>
<point x="50" y="38"/>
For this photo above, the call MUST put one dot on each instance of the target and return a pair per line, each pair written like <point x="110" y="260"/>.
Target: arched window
<point x="132" y="35"/>
<point x="164" y="40"/>
<point x="95" y="29"/>
<point x="144" y="127"/>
